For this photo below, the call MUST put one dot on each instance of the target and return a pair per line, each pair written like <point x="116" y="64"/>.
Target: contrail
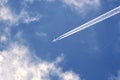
<point x="90" y="23"/>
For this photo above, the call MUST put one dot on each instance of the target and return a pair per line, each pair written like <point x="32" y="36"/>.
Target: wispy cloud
<point x="113" y="77"/>
<point x="24" y="17"/>
<point x="3" y="38"/>
<point x="83" y="6"/>
<point x="41" y="34"/>
<point x="7" y="15"/>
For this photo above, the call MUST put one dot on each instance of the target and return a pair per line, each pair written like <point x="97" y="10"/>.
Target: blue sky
<point x="27" y="28"/>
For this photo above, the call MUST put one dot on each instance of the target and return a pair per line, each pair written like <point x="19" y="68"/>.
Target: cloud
<point x="83" y="5"/>
<point x="115" y="77"/>
<point x="41" y="34"/>
<point x="7" y="15"/>
<point x="3" y="38"/>
<point x="24" y="17"/>
<point x="18" y="63"/>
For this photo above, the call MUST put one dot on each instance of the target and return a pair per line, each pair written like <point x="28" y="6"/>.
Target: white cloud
<point x="17" y="63"/>
<point x="26" y="18"/>
<point x="30" y="19"/>
<point x="7" y="15"/>
<point x="3" y="38"/>
<point x="41" y="34"/>
<point x="83" y="5"/>
<point x="69" y="76"/>
<point x="115" y="77"/>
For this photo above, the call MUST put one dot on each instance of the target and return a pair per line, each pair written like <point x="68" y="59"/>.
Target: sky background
<point x="27" y="28"/>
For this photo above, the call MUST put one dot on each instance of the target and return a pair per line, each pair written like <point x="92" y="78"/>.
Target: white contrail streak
<point x="90" y="23"/>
